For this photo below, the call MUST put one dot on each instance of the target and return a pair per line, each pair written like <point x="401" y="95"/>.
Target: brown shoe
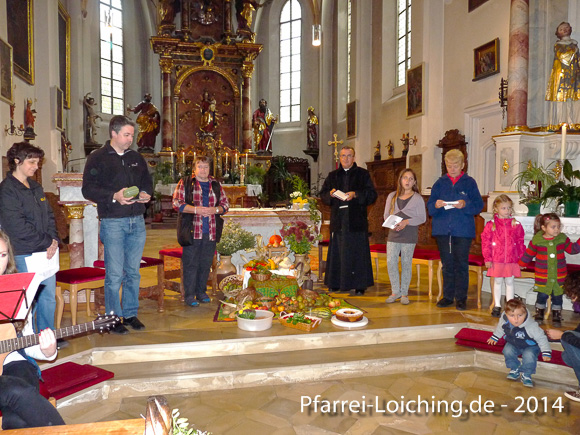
<point x="539" y="316"/>
<point x="556" y="316"/>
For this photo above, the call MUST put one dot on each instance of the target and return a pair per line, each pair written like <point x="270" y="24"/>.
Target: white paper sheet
<point x="450" y="204"/>
<point x="391" y="221"/>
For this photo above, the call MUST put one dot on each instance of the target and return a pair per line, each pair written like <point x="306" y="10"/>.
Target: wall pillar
<point x="166" y="113"/>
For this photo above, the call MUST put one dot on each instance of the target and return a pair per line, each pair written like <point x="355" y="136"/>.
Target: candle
<point x="194" y="157"/>
<point x="226" y="162"/>
<point x="563" y="149"/>
<point x="183" y="157"/>
<point x="246" y="159"/>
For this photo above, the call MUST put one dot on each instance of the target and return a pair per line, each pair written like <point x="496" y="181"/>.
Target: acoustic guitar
<point x="10" y="342"/>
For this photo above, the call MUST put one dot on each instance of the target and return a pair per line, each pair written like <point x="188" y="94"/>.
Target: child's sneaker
<point x="514" y="375"/>
<point x="527" y="380"/>
<point x="496" y="312"/>
<point x="573" y="395"/>
<point x="405" y="300"/>
<point x="393" y="298"/>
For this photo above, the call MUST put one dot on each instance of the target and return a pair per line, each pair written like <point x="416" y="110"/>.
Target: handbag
<point x="185" y="220"/>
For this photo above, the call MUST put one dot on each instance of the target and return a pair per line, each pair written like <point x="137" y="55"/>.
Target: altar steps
<point x="259" y="362"/>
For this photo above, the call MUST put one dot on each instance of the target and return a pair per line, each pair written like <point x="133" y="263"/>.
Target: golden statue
<point x="149" y="122"/>
<point x="563" y="87"/>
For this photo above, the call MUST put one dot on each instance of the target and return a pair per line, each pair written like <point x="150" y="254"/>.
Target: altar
<point x="265" y="222"/>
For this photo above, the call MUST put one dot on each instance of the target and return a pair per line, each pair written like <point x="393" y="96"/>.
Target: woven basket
<point x="260" y="276"/>
<point x="302" y="326"/>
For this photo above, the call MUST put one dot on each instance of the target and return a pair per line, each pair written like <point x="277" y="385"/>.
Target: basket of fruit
<point x="260" y="277"/>
<point x="299" y="321"/>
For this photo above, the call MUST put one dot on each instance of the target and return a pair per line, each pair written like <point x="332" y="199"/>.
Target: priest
<point x="349" y="190"/>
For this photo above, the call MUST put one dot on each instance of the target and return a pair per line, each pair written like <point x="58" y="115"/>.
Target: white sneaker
<point x="405" y="300"/>
<point x="393" y="298"/>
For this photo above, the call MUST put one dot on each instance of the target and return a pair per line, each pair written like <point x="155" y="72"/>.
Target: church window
<point x="112" y="73"/>
<point x="403" y="39"/>
<point x="290" y="61"/>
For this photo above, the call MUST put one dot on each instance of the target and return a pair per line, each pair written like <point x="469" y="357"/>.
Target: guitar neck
<point x="32" y="340"/>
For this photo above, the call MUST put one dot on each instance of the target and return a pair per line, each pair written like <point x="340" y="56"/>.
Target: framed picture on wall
<point x="64" y="52"/>
<point x="415" y="91"/>
<point x="486" y="60"/>
<point x="19" y="16"/>
<point x="6" y="77"/>
<point x="58" y="108"/>
<point x="351" y="120"/>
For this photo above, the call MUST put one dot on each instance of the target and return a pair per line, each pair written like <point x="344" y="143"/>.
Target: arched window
<point x="290" y="61"/>
<point x="403" y="39"/>
<point x="112" y="75"/>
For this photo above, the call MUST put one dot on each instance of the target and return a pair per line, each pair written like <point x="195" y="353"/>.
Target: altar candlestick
<point x="563" y="149"/>
<point x="172" y="168"/>
<point x="194" y="157"/>
<point x="246" y="159"/>
<point x="183" y="157"/>
<point x="226" y="162"/>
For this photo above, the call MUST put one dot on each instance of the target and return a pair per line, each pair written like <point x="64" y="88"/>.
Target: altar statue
<point x="209" y="115"/>
<point x="263" y="123"/>
<point x="166" y="12"/>
<point x="563" y="85"/>
<point x="244" y="13"/>
<point x="312" y="129"/>
<point x="30" y="115"/>
<point x="149" y="122"/>
<point x="91" y="125"/>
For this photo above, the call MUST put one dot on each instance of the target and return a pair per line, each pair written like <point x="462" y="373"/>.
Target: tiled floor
<point x="276" y="408"/>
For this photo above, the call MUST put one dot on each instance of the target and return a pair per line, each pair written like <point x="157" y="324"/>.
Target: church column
<point x="76" y="234"/>
<point x="247" y="70"/>
<point x="166" y="117"/>
<point x="517" y="109"/>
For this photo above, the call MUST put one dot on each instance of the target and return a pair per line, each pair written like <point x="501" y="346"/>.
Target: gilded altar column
<point x="76" y="234"/>
<point x="517" y="109"/>
<point x="166" y="65"/>
<point x="247" y="71"/>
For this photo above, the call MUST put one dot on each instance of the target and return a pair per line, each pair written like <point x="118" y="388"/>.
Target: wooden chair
<point x="321" y="261"/>
<point x="75" y="280"/>
<point x="167" y="275"/>
<point x="155" y="292"/>
<point x="426" y="257"/>
<point x="376" y="250"/>
<point x="477" y="265"/>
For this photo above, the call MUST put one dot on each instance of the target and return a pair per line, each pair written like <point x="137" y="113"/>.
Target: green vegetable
<point x="323" y="313"/>
<point x="247" y="314"/>
<point x="131" y="192"/>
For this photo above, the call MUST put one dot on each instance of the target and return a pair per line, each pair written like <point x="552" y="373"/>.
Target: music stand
<point x="13" y="292"/>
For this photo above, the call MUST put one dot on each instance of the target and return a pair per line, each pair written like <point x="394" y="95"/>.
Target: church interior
<point x="270" y="87"/>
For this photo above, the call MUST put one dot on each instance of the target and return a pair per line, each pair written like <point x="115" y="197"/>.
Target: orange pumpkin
<point x="275" y="240"/>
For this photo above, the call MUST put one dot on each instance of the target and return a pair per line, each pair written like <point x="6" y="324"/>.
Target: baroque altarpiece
<point x="206" y="67"/>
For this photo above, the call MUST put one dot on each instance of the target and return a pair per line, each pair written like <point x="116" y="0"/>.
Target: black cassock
<point x="348" y="263"/>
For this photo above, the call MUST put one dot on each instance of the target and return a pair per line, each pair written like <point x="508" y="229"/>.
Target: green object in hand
<point x="131" y="192"/>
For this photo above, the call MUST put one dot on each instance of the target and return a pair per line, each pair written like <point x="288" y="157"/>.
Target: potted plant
<point x="234" y="238"/>
<point x="531" y="183"/>
<point x="565" y="192"/>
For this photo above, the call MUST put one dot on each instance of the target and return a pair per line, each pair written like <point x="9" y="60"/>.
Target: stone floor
<point x="229" y="381"/>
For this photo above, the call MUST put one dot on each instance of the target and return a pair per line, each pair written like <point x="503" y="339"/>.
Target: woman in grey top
<point x="408" y="204"/>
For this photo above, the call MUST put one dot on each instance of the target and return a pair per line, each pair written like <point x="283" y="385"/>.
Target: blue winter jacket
<point x="455" y="222"/>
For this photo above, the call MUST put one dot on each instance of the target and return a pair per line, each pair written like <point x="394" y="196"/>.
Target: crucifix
<point x="335" y="142"/>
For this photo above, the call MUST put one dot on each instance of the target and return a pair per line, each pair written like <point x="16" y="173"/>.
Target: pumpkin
<point x="275" y="240"/>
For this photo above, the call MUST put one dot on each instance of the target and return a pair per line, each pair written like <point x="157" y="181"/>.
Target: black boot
<point x="539" y="316"/>
<point x="556" y="316"/>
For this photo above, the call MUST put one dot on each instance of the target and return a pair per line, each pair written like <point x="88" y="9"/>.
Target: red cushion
<point x="379" y="247"/>
<point x="80" y="275"/>
<point x="476" y="260"/>
<point x="172" y="252"/>
<point x="426" y="254"/>
<point x="324" y="242"/>
<point x="68" y="378"/>
<point x="145" y="262"/>
<point x="477" y="339"/>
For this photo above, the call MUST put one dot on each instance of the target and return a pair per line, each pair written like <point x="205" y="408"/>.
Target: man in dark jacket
<point x="349" y="190"/>
<point x="109" y="171"/>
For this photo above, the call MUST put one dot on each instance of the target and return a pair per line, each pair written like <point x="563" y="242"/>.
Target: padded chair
<point x="477" y="265"/>
<point x="376" y="250"/>
<point x="152" y="292"/>
<point x="429" y="258"/>
<point x="167" y="275"/>
<point x="321" y="261"/>
<point x="75" y="280"/>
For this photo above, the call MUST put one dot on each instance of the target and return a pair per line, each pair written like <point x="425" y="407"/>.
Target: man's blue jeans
<point x="529" y="358"/>
<point x="45" y="304"/>
<point x="571" y="355"/>
<point x="124" y="240"/>
<point x="454" y="253"/>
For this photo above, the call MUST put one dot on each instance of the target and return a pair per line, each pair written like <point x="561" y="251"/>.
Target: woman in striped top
<point x="549" y="247"/>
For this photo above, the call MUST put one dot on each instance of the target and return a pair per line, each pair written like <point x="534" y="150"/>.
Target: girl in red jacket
<point x="502" y="245"/>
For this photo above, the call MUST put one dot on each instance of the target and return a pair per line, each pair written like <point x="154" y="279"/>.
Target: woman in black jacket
<point x="26" y="216"/>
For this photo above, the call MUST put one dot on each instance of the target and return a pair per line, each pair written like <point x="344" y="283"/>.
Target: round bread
<point x="349" y="315"/>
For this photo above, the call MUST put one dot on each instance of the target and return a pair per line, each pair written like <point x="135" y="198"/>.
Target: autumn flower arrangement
<point x="235" y="238"/>
<point x="299" y="236"/>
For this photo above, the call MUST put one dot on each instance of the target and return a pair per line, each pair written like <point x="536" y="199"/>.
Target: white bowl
<point x="262" y="321"/>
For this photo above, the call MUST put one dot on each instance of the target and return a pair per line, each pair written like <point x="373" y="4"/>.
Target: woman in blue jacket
<point x="453" y="204"/>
